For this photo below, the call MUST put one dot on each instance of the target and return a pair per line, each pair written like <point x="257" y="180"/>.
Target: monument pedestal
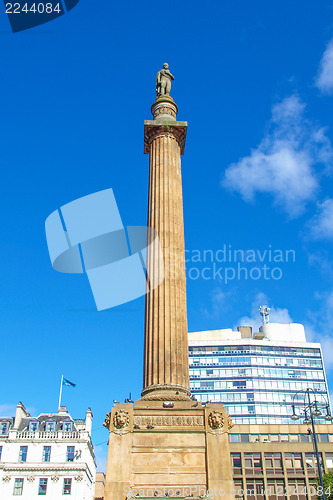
<point x="156" y="451"/>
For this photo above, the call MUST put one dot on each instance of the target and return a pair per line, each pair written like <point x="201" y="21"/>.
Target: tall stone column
<point x="166" y="371"/>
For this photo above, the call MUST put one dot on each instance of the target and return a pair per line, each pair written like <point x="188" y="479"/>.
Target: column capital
<point x="174" y="129"/>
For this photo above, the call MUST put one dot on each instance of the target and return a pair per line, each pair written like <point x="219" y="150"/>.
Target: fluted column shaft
<point x="166" y="336"/>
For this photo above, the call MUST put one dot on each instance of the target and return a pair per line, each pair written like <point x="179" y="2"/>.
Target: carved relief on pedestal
<point x="121" y="419"/>
<point x="170" y="420"/>
<point x="230" y="423"/>
<point x="107" y="420"/>
<point x="215" y="420"/>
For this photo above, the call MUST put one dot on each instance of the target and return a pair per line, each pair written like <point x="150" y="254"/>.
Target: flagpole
<point x="62" y="378"/>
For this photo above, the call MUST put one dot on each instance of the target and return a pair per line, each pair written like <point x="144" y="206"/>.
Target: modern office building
<point x="257" y="375"/>
<point x="50" y="455"/>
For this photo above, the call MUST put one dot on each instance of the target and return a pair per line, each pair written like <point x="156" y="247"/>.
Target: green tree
<point x="328" y="485"/>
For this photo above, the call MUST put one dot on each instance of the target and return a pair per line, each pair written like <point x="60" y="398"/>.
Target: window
<point x="252" y="460"/>
<point x="70" y="453"/>
<point x="293" y="460"/>
<point x="273" y="460"/>
<point x="309" y="460"/>
<point x="254" y="438"/>
<point x="50" y="426"/>
<point x="239" y="488"/>
<point x="46" y="453"/>
<point x="275" y="488"/>
<point x="3" y="428"/>
<point x="323" y="438"/>
<point x="245" y="438"/>
<point x="34" y="425"/>
<point x="1" y="452"/>
<point x="67" y="426"/>
<point x="23" y="454"/>
<point x="67" y="487"/>
<point x="274" y="438"/>
<point x="234" y="438"/>
<point x="236" y="460"/>
<point x="305" y="438"/>
<point x="293" y="438"/>
<point x="329" y="460"/>
<point x="42" y="486"/>
<point x="284" y="437"/>
<point x="18" y="486"/>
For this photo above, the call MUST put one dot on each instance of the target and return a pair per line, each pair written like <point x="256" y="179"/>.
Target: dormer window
<point x="34" y="425"/>
<point x="3" y="428"/>
<point x="50" y="426"/>
<point x="67" y="426"/>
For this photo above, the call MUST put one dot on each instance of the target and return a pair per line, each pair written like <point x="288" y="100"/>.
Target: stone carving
<point x="6" y="479"/>
<point x="163" y="81"/>
<point x="164" y="111"/>
<point x="172" y="420"/>
<point x="79" y="478"/>
<point x="121" y="419"/>
<point x="215" y="420"/>
<point x="31" y="479"/>
<point x="177" y="133"/>
<point x="230" y="423"/>
<point x="55" y="479"/>
<point x="107" y="420"/>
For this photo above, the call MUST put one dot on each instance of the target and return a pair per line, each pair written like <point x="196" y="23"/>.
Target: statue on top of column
<point x="163" y="81"/>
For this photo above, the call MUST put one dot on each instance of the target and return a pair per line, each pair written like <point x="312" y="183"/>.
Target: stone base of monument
<point x="161" y="449"/>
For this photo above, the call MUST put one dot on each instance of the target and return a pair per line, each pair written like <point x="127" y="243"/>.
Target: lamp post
<point x="311" y="410"/>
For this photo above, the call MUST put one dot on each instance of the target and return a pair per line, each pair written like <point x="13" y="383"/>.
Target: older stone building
<point x="278" y="461"/>
<point x="51" y="455"/>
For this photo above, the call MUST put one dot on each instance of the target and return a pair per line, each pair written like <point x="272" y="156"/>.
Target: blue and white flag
<point x="67" y="382"/>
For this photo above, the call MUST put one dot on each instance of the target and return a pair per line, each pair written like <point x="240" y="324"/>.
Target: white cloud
<point x="282" y="164"/>
<point x="321" y="225"/>
<point x="324" y="79"/>
<point x="219" y="303"/>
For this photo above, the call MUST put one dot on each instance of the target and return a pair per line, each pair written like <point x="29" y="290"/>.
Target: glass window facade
<point x="256" y="381"/>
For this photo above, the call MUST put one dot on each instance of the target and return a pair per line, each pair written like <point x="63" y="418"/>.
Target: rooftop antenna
<point x="264" y="311"/>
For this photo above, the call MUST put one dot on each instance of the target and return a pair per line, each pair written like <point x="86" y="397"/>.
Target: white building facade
<point x="257" y="375"/>
<point x="50" y="455"/>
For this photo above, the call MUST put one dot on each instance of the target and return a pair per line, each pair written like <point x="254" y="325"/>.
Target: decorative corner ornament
<point x="107" y="420"/>
<point x="55" y="479"/>
<point x="6" y="479"/>
<point x="230" y="422"/>
<point x="31" y="479"/>
<point x="121" y="419"/>
<point x="215" y="420"/>
<point x="79" y="478"/>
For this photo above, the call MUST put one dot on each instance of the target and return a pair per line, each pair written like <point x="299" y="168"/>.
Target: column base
<point x="166" y="392"/>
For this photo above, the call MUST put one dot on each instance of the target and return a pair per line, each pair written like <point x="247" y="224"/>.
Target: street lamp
<point x="311" y="410"/>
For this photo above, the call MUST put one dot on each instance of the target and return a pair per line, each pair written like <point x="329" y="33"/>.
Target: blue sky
<point x="254" y="80"/>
